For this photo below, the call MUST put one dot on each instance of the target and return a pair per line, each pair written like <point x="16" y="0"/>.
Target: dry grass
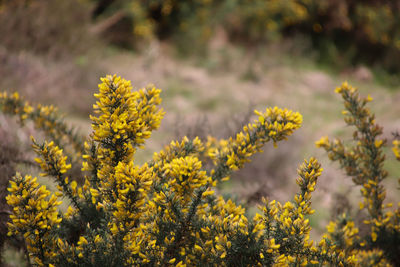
<point x="48" y="53"/>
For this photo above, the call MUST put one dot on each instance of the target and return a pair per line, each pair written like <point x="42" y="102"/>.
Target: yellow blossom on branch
<point x="168" y="211"/>
<point x="34" y="216"/>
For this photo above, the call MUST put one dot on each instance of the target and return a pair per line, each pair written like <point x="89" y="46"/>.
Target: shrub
<point x="356" y="32"/>
<point x="49" y="121"/>
<point x="163" y="18"/>
<point x="363" y="162"/>
<point x="264" y="175"/>
<point x="165" y="212"/>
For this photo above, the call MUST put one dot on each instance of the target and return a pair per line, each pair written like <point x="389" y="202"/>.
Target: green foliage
<point x="343" y="32"/>
<point x="167" y="212"/>
<point x="365" y="32"/>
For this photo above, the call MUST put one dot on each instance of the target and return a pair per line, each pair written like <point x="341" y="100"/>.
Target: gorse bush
<point x="166" y="212"/>
<point x="356" y="32"/>
<point x="163" y="18"/>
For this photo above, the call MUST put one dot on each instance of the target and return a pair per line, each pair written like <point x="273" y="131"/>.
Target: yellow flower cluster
<point x="35" y="215"/>
<point x="274" y="124"/>
<point x="126" y="119"/>
<point x="287" y="226"/>
<point x="175" y="150"/>
<point x="377" y="22"/>
<point x="185" y="176"/>
<point x="168" y="212"/>
<point x="364" y="163"/>
<point x="53" y="161"/>
<point x="344" y="234"/>
<point x="125" y="116"/>
<point x="45" y="118"/>
<point x="371" y="258"/>
<point x="225" y="220"/>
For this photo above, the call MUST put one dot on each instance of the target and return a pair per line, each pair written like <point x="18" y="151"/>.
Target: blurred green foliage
<point x="361" y="32"/>
<point x="343" y="32"/>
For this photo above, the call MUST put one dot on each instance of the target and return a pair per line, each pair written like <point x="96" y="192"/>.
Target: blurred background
<point x="216" y="61"/>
